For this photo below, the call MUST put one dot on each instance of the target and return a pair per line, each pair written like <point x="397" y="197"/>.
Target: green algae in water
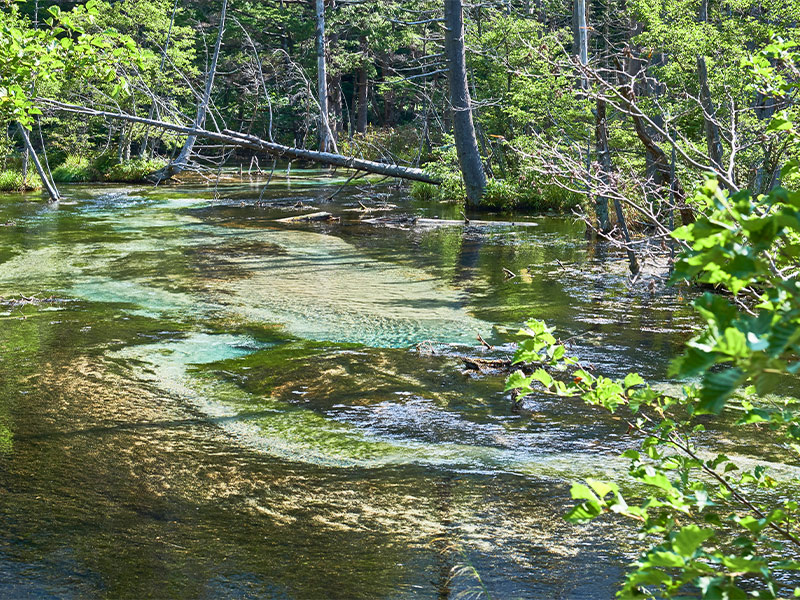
<point x="318" y="286"/>
<point x="294" y="432"/>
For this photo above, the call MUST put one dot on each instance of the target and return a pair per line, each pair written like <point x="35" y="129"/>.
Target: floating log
<point x="317" y="216"/>
<point x="422" y="222"/>
<point x="482" y="364"/>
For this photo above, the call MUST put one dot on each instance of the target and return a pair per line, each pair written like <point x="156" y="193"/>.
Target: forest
<point x="400" y="298"/>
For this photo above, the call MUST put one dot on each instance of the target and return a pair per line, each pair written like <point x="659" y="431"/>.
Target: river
<point x="197" y="401"/>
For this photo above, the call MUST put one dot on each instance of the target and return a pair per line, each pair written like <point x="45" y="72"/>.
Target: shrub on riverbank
<point x="11" y="181"/>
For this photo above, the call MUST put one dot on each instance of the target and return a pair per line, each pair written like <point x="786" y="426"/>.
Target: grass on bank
<point x="105" y="167"/>
<point x="11" y="181"/>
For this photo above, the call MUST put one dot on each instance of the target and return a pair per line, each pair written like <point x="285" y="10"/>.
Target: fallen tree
<point x="252" y="142"/>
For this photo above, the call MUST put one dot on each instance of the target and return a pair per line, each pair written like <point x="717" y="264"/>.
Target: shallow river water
<point x="204" y="403"/>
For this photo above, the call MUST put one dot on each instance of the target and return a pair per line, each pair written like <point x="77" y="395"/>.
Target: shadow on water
<point x="228" y="407"/>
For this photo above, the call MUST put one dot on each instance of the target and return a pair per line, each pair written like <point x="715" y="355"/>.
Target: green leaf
<point x="578" y="491"/>
<point x="601" y="488"/>
<point x="633" y="379"/>
<point x="583" y="512"/>
<point x="516" y="380"/>
<point x="689" y="538"/>
<point x="542" y="377"/>
<point x="717" y="388"/>
<point x="661" y="558"/>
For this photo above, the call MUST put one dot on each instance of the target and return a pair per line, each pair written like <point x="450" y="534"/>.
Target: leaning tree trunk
<point x="243" y="140"/>
<point x="469" y="158"/>
<point x="182" y="161"/>
<point x="49" y="185"/>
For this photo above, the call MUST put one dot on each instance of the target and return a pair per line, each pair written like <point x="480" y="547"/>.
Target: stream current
<point x="197" y="401"/>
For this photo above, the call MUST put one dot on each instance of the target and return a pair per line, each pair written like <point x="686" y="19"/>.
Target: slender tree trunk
<point x="25" y="160"/>
<point x="362" y="85"/>
<point x="336" y="112"/>
<point x="180" y="163"/>
<point x="469" y="157"/>
<point x="604" y="158"/>
<point x="326" y="141"/>
<point x="713" y="141"/>
<point x="581" y="38"/>
<point x="49" y="185"/>
<point x="335" y="91"/>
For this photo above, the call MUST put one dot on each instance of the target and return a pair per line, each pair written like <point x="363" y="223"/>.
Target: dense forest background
<point x="571" y="101"/>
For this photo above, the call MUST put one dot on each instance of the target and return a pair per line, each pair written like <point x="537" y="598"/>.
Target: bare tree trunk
<point x="362" y="85"/>
<point x="469" y="157"/>
<point x="713" y="141"/>
<point x="180" y="163"/>
<point x="239" y="139"/>
<point x="660" y="161"/>
<point x="335" y="91"/>
<point x="604" y="158"/>
<point x="581" y="38"/>
<point x="25" y="160"/>
<point x="49" y="185"/>
<point x="336" y="112"/>
<point x="326" y="141"/>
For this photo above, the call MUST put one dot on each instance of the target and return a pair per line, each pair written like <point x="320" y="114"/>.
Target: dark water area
<point x="199" y="402"/>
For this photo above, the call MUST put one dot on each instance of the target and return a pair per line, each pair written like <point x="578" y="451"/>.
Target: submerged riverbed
<point x="197" y="401"/>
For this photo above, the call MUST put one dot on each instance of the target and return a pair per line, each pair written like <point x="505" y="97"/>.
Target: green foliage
<point x="105" y="167"/>
<point x="445" y="166"/>
<point x="74" y="169"/>
<point x="399" y="143"/>
<point x="132" y="171"/>
<point x="717" y="531"/>
<point x="424" y="192"/>
<point x="59" y="50"/>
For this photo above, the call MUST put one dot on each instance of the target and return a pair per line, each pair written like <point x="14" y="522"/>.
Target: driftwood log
<point x="317" y="216"/>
